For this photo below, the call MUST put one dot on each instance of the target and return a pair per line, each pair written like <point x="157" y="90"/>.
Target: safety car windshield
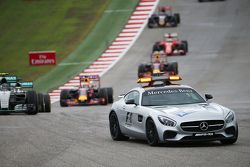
<point x="173" y="96"/>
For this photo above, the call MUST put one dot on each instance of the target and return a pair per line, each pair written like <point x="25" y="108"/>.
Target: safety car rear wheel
<point x="114" y="127"/>
<point x="151" y="133"/>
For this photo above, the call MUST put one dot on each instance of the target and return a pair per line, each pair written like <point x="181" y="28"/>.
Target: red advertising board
<point x="37" y="58"/>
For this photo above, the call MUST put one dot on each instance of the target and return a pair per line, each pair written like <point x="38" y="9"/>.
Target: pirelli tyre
<point x="141" y="70"/>
<point x="177" y="17"/>
<point x="150" y="23"/>
<point x="63" y="97"/>
<point x="172" y="67"/>
<point x="40" y="102"/>
<point x="114" y="127"/>
<point x="110" y="94"/>
<point x="31" y="102"/>
<point x="103" y="93"/>
<point x="185" y="45"/>
<point x="47" y="103"/>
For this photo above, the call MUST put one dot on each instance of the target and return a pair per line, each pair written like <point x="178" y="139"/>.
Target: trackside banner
<point x="37" y="58"/>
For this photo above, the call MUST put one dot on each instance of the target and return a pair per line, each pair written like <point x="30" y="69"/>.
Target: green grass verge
<point x="107" y="28"/>
<point x="56" y="25"/>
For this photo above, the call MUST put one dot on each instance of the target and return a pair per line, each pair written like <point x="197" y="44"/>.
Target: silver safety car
<point x="175" y="113"/>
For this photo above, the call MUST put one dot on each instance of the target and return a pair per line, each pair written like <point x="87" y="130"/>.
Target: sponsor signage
<point x="37" y="58"/>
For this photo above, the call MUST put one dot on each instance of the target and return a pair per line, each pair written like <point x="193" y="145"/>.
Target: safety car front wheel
<point x="114" y="127"/>
<point x="151" y="133"/>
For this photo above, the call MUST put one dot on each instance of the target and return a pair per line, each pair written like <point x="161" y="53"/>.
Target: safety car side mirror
<point x="121" y="96"/>
<point x="130" y="101"/>
<point x="208" y="96"/>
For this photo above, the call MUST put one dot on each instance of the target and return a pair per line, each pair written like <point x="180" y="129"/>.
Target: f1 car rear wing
<point x="22" y="84"/>
<point x="171" y="35"/>
<point x="10" y="79"/>
<point x="87" y="79"/>
<point x="164" y="8"/>
<point x="158" y="79"/>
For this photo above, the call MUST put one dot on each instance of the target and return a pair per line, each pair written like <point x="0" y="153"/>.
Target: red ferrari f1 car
<point x="171" y="45"/>
<point x="89" y="92"/>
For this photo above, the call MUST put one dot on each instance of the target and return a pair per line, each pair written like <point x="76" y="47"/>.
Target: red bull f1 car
<point x="89" y="92"/>
<point x="164" y="18"/>
<point x="159" y="64"/>
<point x="171" y="45"/>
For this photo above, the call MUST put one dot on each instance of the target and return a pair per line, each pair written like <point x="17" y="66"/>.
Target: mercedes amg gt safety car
<point x="89" y="92"/>
<point x="158" y="64"/>
<point x="164" y="18"/>
<point x="171" y="113"/>
<point x="171" y="45"/>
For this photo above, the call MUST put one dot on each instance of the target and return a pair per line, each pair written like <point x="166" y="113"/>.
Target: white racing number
<point x="129" y="118"/>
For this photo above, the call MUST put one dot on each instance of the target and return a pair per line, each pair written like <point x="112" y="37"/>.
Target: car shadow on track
<point x="180" y="144"/>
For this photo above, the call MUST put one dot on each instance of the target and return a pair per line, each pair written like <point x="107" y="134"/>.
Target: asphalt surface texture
<point x="218" y="63"/>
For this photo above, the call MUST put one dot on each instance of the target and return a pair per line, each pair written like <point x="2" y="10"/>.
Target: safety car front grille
<point x="195" y="126"/>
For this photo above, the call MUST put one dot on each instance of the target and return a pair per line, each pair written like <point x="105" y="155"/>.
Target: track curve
<point x="218" y="63"/>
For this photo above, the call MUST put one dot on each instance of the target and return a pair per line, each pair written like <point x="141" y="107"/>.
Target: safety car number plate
<point x="204" y="134"/>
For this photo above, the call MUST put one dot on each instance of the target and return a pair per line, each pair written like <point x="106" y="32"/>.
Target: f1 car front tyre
<point x="47" y="107"/>
<point x="114" y="127"/>
<point x="151" y="133"/>
<point x="31" y="101"/>
<point x="63" y="97"/>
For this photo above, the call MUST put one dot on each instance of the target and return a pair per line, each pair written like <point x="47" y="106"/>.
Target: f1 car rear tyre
<point x="151" y="133"/>
<point x="185" y="45"/>
<point x="114" y="127"/>
<point x="173" y="67"/>
<point x="110" y="95"/>
<point x="231" y="141"/>
<point x="103" y="93"/>
<point x="177" y="17"/>
<point x="31" y="101"/>
<point x="141" y="70"/>
<point x="47" y="107"/>
<point x="63" y="97"/>
<point x="40" y="103"/>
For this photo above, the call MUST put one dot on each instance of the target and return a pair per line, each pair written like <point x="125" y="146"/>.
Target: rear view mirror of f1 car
<point x="19" y="97"/>
<point x="89" y="92"/>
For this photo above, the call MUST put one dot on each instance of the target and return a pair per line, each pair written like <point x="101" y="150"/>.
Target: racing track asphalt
<point x="218" y="63"/>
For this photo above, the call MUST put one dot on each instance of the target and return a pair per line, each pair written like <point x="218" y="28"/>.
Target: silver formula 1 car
<point x="171" y="113"/>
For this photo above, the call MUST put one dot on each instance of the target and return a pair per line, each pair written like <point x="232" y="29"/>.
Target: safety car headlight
<point x="166" y="121"/>
<point x="229" y="117"/>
